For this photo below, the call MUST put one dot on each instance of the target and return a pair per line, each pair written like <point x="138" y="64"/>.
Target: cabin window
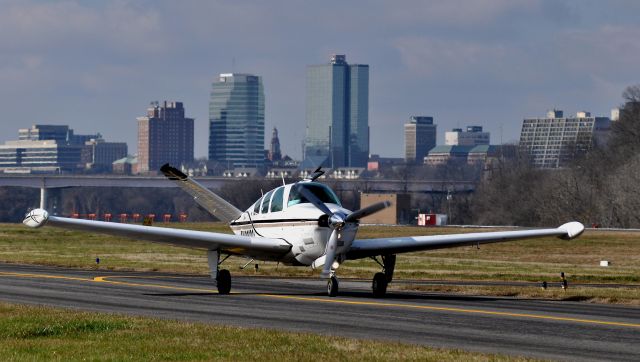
<point x="322" y="192"/>
<point x="276" y="202"/>
<point x="256" y="207"/>
<point x="265" y="202"/>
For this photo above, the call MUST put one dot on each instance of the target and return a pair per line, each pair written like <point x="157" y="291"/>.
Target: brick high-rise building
<point x="164" y="136"/>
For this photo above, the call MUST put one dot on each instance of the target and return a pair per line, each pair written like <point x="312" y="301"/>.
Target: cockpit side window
<point x="256" y="207"/>
<point x="276" y="202"/>
<point x="265" y="202"/>
<point x="322" y="192"/>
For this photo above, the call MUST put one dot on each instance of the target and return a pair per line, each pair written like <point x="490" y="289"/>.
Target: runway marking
<point x="458" y="310"/>
<point x="44" y="276"/>
<point x="103" y="279"/>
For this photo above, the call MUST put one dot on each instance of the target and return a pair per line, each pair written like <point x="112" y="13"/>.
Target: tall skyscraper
<point x="164" y="136"/>
<point x="236" y="120"/>
<point x="554" y="141"/>
<point x="419" y="138"/>
<point x="473" y="136"/>
<point x="338" y="113"/>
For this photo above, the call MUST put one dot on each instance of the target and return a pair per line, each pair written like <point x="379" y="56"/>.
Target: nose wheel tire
<point x="332" y="287"/>
<point x="379" y="285"/>
<point x="224" y="281"/>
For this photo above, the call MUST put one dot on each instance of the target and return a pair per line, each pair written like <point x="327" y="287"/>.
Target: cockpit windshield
<point x="322" y="192"/>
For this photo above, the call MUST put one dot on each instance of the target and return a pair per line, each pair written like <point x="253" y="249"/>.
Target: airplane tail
<point x="214" y="204"/>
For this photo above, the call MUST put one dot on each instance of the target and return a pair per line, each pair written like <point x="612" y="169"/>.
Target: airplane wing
<point x="372" y="247"/>
<point x="214" y="204"/>
<point x="233" y="244"/>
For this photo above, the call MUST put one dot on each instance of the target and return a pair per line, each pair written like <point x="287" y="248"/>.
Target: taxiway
<point x="535" y="328"/>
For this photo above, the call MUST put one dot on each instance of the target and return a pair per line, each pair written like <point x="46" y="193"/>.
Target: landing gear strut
<point x="222" y="276"/>
<point x="332" y="286"/>
<point x="381" y="280"/>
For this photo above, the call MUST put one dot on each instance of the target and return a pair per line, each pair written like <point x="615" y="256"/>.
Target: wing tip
<point x="172" y="173"/>
<point x="572" y="230"/>
<point x="36" y="218"/>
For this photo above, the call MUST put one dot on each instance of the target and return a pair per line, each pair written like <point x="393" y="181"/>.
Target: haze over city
<point x="96" y="66"/>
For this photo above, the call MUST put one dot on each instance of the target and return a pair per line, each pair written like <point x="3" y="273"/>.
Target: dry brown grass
<point x="526" y="260"/>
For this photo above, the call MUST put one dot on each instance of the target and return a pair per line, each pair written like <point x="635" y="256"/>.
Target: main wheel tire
<point x="379" y="285"/>
<point x="332" y="287"/>
<point x="224" y="281"/>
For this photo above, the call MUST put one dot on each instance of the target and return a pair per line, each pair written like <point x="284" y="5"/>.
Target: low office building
<point x="99" y="155"/>
<point x="555" y="140"/>
<point x="397" y="213"/>
<point x="48" y="156"/>
<point x="473" y="136"/>
<point x="470" y="155"/>
<point x="125" y="166"/>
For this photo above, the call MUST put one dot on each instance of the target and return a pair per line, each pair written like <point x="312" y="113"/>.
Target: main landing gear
<point x="224" y="281"/>
<point x="222" y="276"/>
<point x="381" y="280"/>
<point x="379" y="285"/>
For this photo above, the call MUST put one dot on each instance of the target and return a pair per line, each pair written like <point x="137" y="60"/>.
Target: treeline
<point x="600" y="188"/>
<point x="16" y="201"/>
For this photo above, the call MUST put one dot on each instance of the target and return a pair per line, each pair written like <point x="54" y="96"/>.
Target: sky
<point x="96" y="65"/>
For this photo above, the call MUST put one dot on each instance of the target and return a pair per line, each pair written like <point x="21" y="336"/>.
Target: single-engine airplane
<point x="301" y="224"/>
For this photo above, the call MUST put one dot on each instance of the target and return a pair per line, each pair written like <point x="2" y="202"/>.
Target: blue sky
<point x="97" y="65"/>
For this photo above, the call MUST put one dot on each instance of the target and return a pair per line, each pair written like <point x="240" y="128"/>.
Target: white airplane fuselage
<point x="298" y="223"/>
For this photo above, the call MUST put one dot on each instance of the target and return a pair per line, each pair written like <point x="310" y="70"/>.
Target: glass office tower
<point x="236" y="120"/>
<point x="337" y="113"/>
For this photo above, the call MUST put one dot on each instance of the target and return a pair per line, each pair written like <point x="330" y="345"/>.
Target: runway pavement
<point x="544" y="329"/>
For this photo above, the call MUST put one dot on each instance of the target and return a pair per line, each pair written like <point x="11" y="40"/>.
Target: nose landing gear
<point x="332" y="286"/>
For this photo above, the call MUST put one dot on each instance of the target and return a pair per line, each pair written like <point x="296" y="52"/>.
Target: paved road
<point x="545" y="329"/>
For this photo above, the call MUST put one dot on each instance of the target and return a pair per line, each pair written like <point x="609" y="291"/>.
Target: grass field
<point x="39" y="333"/>
<point x="526" y="260"/>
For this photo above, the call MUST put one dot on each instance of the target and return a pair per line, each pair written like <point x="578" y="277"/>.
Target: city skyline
<point x="478" y="62"/>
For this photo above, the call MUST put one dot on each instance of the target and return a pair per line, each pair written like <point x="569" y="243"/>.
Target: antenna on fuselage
<point x="283" y="183"/>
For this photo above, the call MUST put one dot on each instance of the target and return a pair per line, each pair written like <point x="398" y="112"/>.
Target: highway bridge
<point x="44" y="182"/>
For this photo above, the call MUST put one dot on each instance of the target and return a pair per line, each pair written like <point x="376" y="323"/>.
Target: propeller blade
<point x="330" y="254"/>
<point x="314" y="200"/>
<point x="369" y="210"/>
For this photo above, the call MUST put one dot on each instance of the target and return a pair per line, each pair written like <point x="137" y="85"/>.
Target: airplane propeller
<point x="337" y="221"/>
